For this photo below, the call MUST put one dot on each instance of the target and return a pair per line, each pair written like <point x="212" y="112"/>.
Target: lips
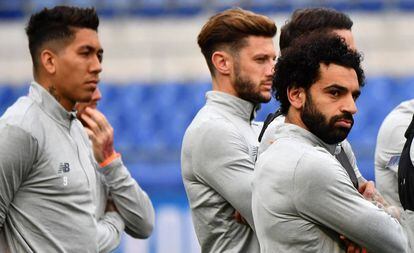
<point x="95" y="82"/>
<point x="346" y="123"/>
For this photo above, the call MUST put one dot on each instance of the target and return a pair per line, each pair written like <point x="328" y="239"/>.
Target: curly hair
<point x="299" y="64"/>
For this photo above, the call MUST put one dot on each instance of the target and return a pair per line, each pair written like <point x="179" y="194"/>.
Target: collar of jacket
<point x="50" y="105"/>
<point x="232" y="104"/>
<point x="294" y="131"/>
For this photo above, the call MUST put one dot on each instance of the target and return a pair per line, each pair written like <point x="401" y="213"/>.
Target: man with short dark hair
<point x="47" y="167"/>
<point x="303" y="198"/>
<point x="220" y="146"/>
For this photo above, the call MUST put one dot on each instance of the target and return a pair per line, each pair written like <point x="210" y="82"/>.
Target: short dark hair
<point x="230" y="28"/>
<point x="57" y="24"/>
<point x="304" y="21"/>
<point x="299" y="64"/>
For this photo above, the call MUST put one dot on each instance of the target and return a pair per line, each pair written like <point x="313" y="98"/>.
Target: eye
<point x="260" y="60"/>
<point x="335" y="93"/>
<point x="100" y="57"/>
<point x="356" y="96"/>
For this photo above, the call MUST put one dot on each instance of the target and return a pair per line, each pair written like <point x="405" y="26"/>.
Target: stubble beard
<point x="247" y="89"/>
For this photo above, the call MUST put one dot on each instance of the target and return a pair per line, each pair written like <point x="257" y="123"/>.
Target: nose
<point x="270" y="70"/>
<point x="349" y="105"/>
<point x="96" y="65"/>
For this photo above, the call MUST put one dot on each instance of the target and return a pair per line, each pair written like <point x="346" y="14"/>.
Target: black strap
<point x="344" y="161"/>
<point x="270" y="117"/>
<point x="406" y="171"/>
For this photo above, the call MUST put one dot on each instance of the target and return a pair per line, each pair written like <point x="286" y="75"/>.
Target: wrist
<point x="109" y="159"/>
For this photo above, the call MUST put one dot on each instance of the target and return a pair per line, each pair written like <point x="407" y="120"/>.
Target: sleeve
<point x="18" y="150"/>
<point x="221" y="159"/>
<point x="324" y="194"/>
<point x="132" y="202"/>
<point x="109" y="231"/>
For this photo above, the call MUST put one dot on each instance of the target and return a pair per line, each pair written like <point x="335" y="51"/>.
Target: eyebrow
<point x="91" y="48"/>
<point x="342" y="89"/>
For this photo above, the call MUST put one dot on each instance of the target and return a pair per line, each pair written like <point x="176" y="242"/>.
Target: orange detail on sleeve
<point x="109" y="159"/>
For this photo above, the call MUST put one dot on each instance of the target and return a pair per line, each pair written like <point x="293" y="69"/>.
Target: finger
<point x="90" y="124"/>
<point x="351" y="248"/>
<point x="90" y="134"/>
<point x="98" y="117"/>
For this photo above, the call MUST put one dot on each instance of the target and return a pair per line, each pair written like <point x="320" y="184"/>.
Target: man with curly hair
<point x="303" y="199"/>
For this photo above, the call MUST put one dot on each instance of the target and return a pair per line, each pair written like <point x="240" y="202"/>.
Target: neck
<point x="224" y="84"/>
<point x="293" y="117"/>
<point x="48" y="85"/>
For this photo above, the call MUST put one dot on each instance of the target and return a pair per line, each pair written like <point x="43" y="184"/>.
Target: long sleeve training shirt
<point x="390" y="143"/>
<point x="47" y="178"/>
<point x="303" y="200"/>
<point x="135" y="210"/>
<point x="217" y="161"/>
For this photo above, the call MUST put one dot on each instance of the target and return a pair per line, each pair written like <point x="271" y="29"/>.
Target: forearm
<point x="109" y="231"/>
<point x="132" y="202"/>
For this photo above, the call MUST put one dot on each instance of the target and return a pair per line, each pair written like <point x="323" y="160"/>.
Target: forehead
<point x="347" y="35"/>
<point x="334" y="74"/>
<point x="85" y="37"/>
<point x="258" y="45"/>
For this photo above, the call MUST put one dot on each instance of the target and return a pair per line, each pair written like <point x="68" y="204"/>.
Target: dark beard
<point x="245" y="88"/>
<point x="317" y="123"/>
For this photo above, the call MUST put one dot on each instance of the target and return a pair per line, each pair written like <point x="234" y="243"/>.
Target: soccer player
<point x="47" y="167"/>
<point x="301" y="23"/>
<point x="119" y="197"/>
<point x="303" y="198"/>
<point x="220" y="145"/>
<point x="390" y="143"/>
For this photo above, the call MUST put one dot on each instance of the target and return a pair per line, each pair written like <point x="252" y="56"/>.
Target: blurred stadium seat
<point x="150" y="120"/>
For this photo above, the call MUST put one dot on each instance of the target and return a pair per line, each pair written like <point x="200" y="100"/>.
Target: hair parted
<point x="57" y="24"/>
<point x="299" y="64"/>
<point x="304" y="21"/>
<point x="229" y="29"/>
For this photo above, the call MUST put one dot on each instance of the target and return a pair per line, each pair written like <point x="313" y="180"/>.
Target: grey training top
<point x="47" y="178"/>
<point x="133" y="204"/>
<point x="303" y="200"/>
<point x="390" y="143"/>
<point x="217" y="161"/>
<point x="269" y="137"/>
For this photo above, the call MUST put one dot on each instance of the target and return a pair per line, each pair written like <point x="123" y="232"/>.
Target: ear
<point x="222" y="62"/>
<point x="297" y="97"/>
<point x="48" y="61"/>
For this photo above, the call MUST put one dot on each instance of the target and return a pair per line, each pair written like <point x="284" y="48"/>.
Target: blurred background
<point x="155" y="77"/>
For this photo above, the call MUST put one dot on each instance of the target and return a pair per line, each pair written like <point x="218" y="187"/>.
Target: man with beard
<point x="303" y="199"/>
<point x="302" y="22"/>
<point x="220" y="146"/>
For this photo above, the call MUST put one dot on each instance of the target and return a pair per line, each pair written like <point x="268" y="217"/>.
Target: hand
<point x="367" y="189"/>
<point x="370" y="193"/>
<point x="100" y="132"/>
<point x="239" y="218"/>
<point x="352" y="247"/>
<point x="110" y="206"/>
